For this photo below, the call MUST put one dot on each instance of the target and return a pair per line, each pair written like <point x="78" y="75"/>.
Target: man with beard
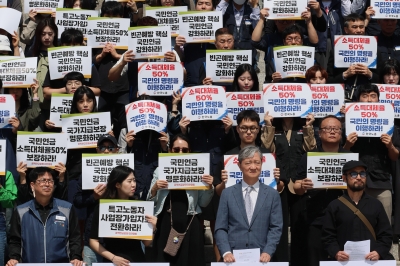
<point x="343" y="223"/>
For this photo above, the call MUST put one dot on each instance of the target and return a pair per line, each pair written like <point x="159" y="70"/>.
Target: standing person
<point x="45" y="229"/>
<point x="356" y="216"/>
<point x="182" y="209"/>
<point x="241" y="223"/>
<point x="316" y="201"/>
<point x="121" y="185"/>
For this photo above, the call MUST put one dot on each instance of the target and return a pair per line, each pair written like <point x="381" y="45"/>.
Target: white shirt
<point x="253" y="193"/>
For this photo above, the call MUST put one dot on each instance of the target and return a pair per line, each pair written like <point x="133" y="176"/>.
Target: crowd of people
<point x="247" y="215"/>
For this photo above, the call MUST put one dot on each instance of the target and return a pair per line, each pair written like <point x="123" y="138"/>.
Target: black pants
<point x="315" y="247"/>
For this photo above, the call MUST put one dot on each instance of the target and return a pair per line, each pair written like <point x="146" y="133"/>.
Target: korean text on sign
<point x="204" y="103"/>
<point x="389" y="93"/>
<point x="369" y="119"/>
<point x="166" y="16"/>
<point x="200" y="26"/>
<point x="386" y="9"/>
<point x="103" y="30"/>
<point x="142" y="115"/>
<point x="38" y="149"/>
<point x="68" y="18"/>
<point x="285" y="9"/>
<point x="42" y="6"/>
<point x="7" y="109"/>
<point x="125" y="219"/>
<point x="149" y="41"/>
<point x="222" y="64"/>
<point x="3" y="147"/>
<point x="235" y="176"/>
<point x="97" y="167"/>
<point x="294" y="60"/>
<point x="18" y="73"/>
<point x="63" y="60"/>
<point x="327" y="99"/>
<point x="355" y="49"/>
<point x="160" y="78"/>
<point x="84" y="130"/>
<point x="184" y="171"/>
<point x="325" y="169"/>
<point x="287" y="99"/>
<point x="244" y="100"/>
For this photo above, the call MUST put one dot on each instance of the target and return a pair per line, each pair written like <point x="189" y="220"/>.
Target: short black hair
<point x="387" y="67"/>
<point x="147" y="21"/>
<point x="74" y="76"/>
<point x="112" y="9"/>
<point x="72" y="37"/>
<point x="39" y="171"/>
<point x="353" y="17"/>
<point x="329" y="116"/>
<point x="248" y="115"/>
<point x="292" y="29"/>
<point x="367" y="88"/>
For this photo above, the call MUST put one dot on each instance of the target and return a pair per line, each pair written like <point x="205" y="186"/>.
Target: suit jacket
<point x="232" y="229"/>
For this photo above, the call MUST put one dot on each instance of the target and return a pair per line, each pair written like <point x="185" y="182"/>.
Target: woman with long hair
<point x="121" y="185"/>
<point x="390" y="71"/>
<point x="245" y="79"/>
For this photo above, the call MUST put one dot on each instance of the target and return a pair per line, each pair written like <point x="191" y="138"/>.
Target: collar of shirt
<point x="240" y="11"/>
<point x="256" y="186"/>
<point x="47" y="207"/>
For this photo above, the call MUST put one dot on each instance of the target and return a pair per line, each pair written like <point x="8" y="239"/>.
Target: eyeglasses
<point x="330" y="129"/>
<point x="354" y="175"/>
<point x="45" y="181"/>
<point x="178" y="149"/>
<point x="245" y="129"/>
<point x="104" y="148"/>
<point x="290" y="39"/>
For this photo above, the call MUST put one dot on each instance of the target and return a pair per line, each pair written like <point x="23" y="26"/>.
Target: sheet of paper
<point x="247" y="255"/>
<point x="357" y="250"/>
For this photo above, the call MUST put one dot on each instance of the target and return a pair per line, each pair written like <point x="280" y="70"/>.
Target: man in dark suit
<point x="250" y="213"/>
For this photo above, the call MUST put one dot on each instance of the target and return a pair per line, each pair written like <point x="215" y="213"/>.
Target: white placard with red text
<point x="287" y="99"/>
<point x="3" y="147"/>
<point x="386" y="9"/>
<point x="389" y="93"/>
<point x="327" y="99"/>
<point x="146" y="114"/>
<point x="7" y="109"/>
<point x="244" y="100"/>
<point x="355" y="49"/>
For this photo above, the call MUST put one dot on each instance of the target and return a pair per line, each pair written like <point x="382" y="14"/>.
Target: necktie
<point x="248" y="203"/>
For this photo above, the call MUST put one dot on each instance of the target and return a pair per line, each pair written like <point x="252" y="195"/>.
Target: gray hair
<point x="248" y="152"/>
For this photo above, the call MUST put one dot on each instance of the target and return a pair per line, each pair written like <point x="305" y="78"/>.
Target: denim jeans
<point x="89" y="256"/>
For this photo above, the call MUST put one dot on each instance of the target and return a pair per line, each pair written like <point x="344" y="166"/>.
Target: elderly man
<point x="250" y="213"/>
<point x="356" y="216"/>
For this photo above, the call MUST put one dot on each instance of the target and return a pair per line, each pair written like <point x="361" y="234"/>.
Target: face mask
<point x="239" y="2"/>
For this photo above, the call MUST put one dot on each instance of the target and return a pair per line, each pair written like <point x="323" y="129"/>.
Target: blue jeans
<point x="3" y="237"/>
<point x="89" y="256"/>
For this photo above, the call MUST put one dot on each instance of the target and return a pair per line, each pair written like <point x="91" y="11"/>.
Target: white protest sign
<point x="103" y="30"/>
<point x="293" y="61"/>
<point x="325" y="168"/>
<point x="136" y="263"/>
<point x="149" y="41"/>
<point x="7" y="109"/>
<point x="18" y="73"/>
<point x="287" y="99"/>
<point x="42" y="6"/>
<point x="38" y="149"/>
<point x="283" y="9"/>
<point x="204" y="103"/>
<point x="222" y="64"/>
<point x="183" y="170"/>
<point x="249" y="264"/>
<point x="10" y="19"/>
<point x="65" y="59"/>
<point x="358" y="263"/>
<point x="166" y="16"/>
<point x="235" y="176"/>
<point x="355" y="49"/>
<point x="146" y="114"/>
<point x="132" y="225"/>
<point x="369" y="119"/>
<point x="68" y="18"/>
<point x="3" y="3"/>
<point x="97" y="167"/>
<point x="48" y="264"/>
<point x="244" y="100"/>
<point x="327" y="99"/>
<point x="3" y="147"/>
<point x="389" y="93"/>
<point x="200" y="26"/>
<point x="84" y="129"/>
<point x="160" y="78"/>
<point x="386" y="9"/>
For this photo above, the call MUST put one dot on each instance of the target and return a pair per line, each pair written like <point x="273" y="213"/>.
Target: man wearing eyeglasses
<point x="316" y="201"/>
<point x="342" y="225"/>
<point x="45" y="229"/>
